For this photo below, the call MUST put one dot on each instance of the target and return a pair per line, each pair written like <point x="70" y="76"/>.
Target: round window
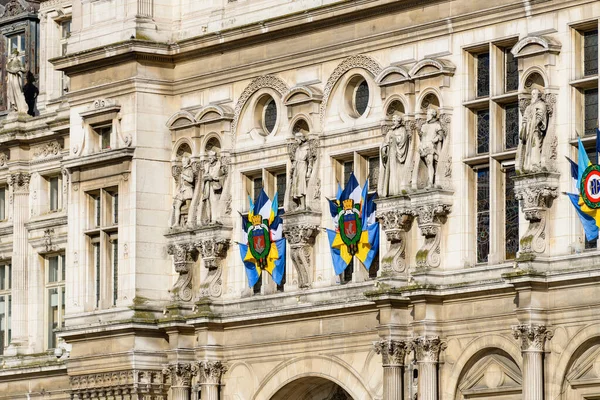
<point x="361" y="97"/>
<point x="270" y="116"/>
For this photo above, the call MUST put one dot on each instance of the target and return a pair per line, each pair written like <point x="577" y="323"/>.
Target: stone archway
<point x="312" y="388"/>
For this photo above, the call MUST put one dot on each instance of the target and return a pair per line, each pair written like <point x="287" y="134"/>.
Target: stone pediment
<point x="181" y="119"/>
<point x="392" y="75"/>
<point x="301" y="95"/>
<point x="534" y="45"/>
<point x="430" y="67"/>
<point x="494" y="374"/>
<point x="213" y="113"/>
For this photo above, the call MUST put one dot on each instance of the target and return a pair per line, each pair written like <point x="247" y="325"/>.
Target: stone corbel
<point x="300" y="229"/>
<point x="396" y="217"/>
<point x="535" y="193"/>
<point x="212" y="251"/>
<point x="184" y="256"/>
<point x="431" y="207"/>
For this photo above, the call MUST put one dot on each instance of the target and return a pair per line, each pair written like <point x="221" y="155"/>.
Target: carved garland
<point x="360" y="61"/>
<point x="266" y="81"/>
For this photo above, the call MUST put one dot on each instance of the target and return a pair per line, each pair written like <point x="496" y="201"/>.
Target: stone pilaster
<point x="209" y="377"/>
<point x="181" y="379"/>
<point x="535" y="193"/>
<point x="393" y="353"/>
<point x="184" y="256"/>
<point x="427" y="351"/>
<point x="300" y="229"/>
<point x="396" y="217"/>
<point x="533" y="339"/>
<point x="431" y="207"/>
<point x="19" y="197"/>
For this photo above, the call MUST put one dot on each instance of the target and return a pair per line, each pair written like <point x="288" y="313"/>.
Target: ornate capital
<point x="19" y="182"/>
<point x="212" y="250"/>
<point x="181" y="373"/>
<point x="533" y="337"/>
<point x="184" y="255"/>
<point x="395" y="221"/>
<point x="432" y="214"/>
<point x="428" y="348"/>
<point x="392" y="352"/>
<point x="300" y="234"/>
<point x="210" y="372"/>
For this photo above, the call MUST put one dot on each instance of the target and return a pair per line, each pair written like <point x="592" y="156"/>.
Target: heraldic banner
<point x="263" y="246"/>
<point x="586" y="200"/>
<point x="356" y="231"/>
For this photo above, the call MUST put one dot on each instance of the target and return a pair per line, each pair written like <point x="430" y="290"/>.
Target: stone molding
<point x="532" y="337"/>
<point x="393" y="352"/>
<point x="19" y="182"/>
<point x="428" y="349"/>
<point x="181" y="373"/>
<point x="210" y="372"/>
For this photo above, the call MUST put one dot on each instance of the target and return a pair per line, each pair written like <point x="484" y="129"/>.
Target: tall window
<point x="511" y="126"/>
<point x="54" y="184"/>
<point x="511" y="216"/>
<point x="483" y="74"/>
<point x="590" y="53"/>
<point x="590" y="111"/>
<point x="511" y="71"/>
<point x="483" y="214"/>
<point x="104" y="245"/>
<point x="348" y="169"/>
<point x="5" y="305"/>
<point x="483" y="131"/>
<point x="373" y="167"/>
<point x="2" y="203"/>
<point x="55" y="296"/>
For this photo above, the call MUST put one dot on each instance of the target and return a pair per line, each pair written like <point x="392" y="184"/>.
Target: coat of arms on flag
<point x="262" y="246"/>
<point x="356" y="232"/>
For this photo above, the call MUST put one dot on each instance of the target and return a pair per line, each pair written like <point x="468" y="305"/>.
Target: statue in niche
<point x="302" y="167"/>
<point x="432" y="136"/>
<point x="15" y="97"/>
<point x="185" y="190"/>
<point x="396" y="158"/>
<point x="212" y="188"/>
<point x="532" y="133"/>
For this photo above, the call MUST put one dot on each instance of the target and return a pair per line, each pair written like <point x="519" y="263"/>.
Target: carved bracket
<point x="392" y="352"/>
<point x="300" y="229"/>
<point x="184" y="256"/>
<point x="396" y="217"/>
<point x="535" y="193"/>
<point x="212" y="250"/>
<point x="533" y="337"/>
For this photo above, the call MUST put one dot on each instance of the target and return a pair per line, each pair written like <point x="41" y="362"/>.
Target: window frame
<point x="59" y="285"/>
<point x="6" y="294"/>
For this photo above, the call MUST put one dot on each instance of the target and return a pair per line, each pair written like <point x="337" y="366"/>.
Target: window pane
<point x="2" y="204"/>
<point x="116" y="208"/>
<point x="96" y="249"/>
<point x="270" y="116"/>
<point x="511" y="126"/>
<point x="97" y="210"/>
<point x="590" y="53"/>
<point x="281" y="183"/>
<point x="257" y="185"/>
<point x="511" y="216"/>
<point x="483" y="131"/>
<point x="53" y="269"/>
<point x="53" y="303"/>
<point x="3" y="277"/>
<point x="53" y="194"/>
<point x="483" y="75"/>
<point x="591" y="111"/>
<point x="105" y="137"/>
<point x="361" y="97"/>
<point x="115" y="258"/>
<point x="348" y="169"/>
<point x="63" y="268"/>
<point x="512" y="71"/>
<point x="373" y="173"/>
<point x="3" y="324"/>
<point x="483" y="214"/>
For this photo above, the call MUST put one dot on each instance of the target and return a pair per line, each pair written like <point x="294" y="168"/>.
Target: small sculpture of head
<point x="397" y="120"/>
<point x="535" y="94"/>
<point x="212" y="156"/>
<point x="299" y="136"/>
<point x="185" y="161"/>
<point x="431" y="114"/>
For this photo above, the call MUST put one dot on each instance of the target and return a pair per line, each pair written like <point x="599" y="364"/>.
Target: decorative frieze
<point x="154" y="384"/>
<point x="396" y="216"/>
<point x="19" y="182"/>
<point x="48" y="149"/>
<point x="184" y="256"/>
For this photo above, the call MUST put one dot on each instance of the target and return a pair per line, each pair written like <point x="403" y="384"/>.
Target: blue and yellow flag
<point x="356" y="231"/>
<point x="263" y="246"/>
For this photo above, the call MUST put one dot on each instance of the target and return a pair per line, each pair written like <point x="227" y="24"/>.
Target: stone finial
<point x="210" y="372"/>
<point x="428" y="348"/>
<point x="181" y="373"/>
<point x="533" y="337"/>
<point x="392" y="352"/>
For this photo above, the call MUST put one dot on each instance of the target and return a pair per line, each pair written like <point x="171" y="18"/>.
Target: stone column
<point x="19" y="183"/>
<point x="428" y="353"/>
<point x="533" y="339"/>
<point x="209" y="377"/>
<point x="181" y="379"/>
<point x="392" y="353"/>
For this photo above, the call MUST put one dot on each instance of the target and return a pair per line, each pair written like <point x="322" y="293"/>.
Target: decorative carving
<point x="48" y="233"/>
<point x="19" y="182"/>
<point x="359" y="61"/>
<point x="126" y="383"/>
<point x="210" y="372"/>
<point x="12" y="8"/>
<point x="212" y="250"/>
<point x="4" y="157"/>
<point x="303" y="153"/>
<point x="184" y="255"/>
<point x="395" y="222"/>
<point x="432" y="136"/>
<point x="397" y="157"/>
<point x="213" y="178"/>
<point x="431" y="208"/>
<point x="428" y="348"/>
<point x="267" y="81"/>
<point x="181" y="373"/>
<point x="48" y="149"/>
<point x="392" y="352"/>
<point x="186" y="181"/>
<point x="533" y="337"/>
<point x="534" y="126"/>
<point x="14" y="84"/>
<point x="301" y="239"/>
<point x="535" y="193"/>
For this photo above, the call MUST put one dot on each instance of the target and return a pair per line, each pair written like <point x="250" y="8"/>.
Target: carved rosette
<point x="210" y="372"/>
<point x="184" y="256"/>
<point x="212" y="250"/>
<point x="19" y="182"/>
<point x="533" y="337"/>
<point x="396" y="217"/>
<point x="428" y="349"/>
<point x="181" y="373"/>
<point x="430" y="218"/>
<point x="392" y="352"/>
<point x="535" y="193"/>
<point x="300" y="229"/>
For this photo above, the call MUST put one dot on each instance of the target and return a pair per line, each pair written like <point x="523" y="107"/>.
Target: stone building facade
<point x="120" y="272"/>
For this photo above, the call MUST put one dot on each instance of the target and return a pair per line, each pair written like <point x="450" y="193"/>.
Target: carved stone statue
<point x="185" y="190"/>
<point x="212" y="187"/>
<point x="16" y="100"/>
<point x="31" y="93"/>
<point x="432" y="136"/>
<point x="302" y="166"/>
<point x="396" y="158"/>
<point x="533" y="133"/>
